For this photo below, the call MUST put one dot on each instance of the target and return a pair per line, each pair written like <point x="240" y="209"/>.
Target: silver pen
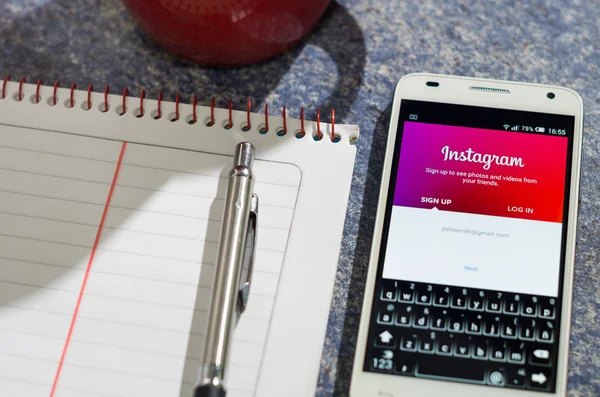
<point x="233" y="272"/>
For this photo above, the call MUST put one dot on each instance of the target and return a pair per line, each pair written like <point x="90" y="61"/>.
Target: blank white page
<point x="119" y="308"/>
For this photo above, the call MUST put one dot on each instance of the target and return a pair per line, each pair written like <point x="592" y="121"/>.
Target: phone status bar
<point x="538" y="129"/>
<point x="508" y="127"/>
<point x="509" y="120"/>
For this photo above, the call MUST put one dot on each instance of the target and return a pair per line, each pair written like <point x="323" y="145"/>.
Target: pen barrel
<point x="223" y="312"/>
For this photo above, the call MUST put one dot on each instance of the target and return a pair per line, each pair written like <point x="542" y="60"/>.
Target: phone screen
<point x="470" y="274"/>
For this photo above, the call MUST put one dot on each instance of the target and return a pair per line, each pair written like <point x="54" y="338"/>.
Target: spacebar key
<point x="438" y="367"/>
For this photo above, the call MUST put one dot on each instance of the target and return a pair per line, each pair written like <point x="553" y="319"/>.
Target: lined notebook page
<point x="119" y="309"/>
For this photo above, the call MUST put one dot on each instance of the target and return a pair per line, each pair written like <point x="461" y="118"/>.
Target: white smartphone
<point x="469" y="285"/>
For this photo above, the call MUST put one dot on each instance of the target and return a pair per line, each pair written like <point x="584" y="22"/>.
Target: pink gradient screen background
<point x="544" y="157"/>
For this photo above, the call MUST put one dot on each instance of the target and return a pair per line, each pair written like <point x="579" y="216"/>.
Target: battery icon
<point x="540" y="129"/>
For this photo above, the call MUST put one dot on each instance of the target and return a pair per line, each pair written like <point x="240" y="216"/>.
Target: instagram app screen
<point x="479" y="208"/>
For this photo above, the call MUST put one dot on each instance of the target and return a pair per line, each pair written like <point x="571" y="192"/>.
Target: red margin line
<point x="89" y="267"/>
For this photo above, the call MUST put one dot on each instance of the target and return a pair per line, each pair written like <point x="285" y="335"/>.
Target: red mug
<point x="227" y="32"/>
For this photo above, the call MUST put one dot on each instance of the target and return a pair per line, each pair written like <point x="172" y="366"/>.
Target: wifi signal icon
<point x="506" y="126"/>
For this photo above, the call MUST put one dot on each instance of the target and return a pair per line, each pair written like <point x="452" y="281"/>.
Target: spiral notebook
<point x="110" y="209"/>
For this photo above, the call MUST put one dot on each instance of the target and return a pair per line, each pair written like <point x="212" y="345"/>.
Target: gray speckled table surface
<point x="351" y="61"/>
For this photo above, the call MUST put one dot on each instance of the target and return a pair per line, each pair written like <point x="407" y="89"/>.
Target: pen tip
<point x="210" y="391"/>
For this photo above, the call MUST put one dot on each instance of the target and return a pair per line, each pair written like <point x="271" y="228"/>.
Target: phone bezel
<point x="455" y="90"/>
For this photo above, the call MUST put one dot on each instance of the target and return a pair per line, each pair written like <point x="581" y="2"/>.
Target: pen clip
<point x="249" y="255"/>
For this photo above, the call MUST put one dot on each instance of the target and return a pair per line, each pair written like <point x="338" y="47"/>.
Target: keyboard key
<point x="407" y="295"/>
<point x="385" y="339"/>
<point x="444" y="345"/>
<point x="404" y="315"/>
<point x="516" y="377"/>
<point x="427" y="345"/>
<point x="498" y="351"/>
<point x="388" y="291"/>
<point x="421" y="317"/>
<point x="386" y="316"/>
<point x="476" y="302"/>
<point x="474" y="325"/>
<point x="496" y="378"/>
<point x="547" y="308"/>
<point x="546" y="332"/>
<point x="383" y="361"/>
<point x="462" y="348"/>
<point x="492" y="326"/>
<point x="527" y="331"/>
<point x="509" y="329"/>
<point x="404" y="367"/>
<point x="409" y="343"/>
<point x="540" y="355"/>
<point x="516" y="353"/>
<point x="459" y="299"/>
<point x="442" y="297"/>
<point x="494" y="302"/>
<point x="424" y="296"/>
<point x="439" y="320"/>
<point x="529" y="306"/>
<point x="457" y="323"/>
<point x="440" y="367"/>
<point x="539" y="379"/>
<point x="512" y="304"/>
<point x="480" y="350"/>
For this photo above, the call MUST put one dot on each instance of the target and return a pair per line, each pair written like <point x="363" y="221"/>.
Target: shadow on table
<point x="361" y="258"/>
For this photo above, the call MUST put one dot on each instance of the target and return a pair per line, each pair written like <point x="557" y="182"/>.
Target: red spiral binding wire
<point x="159" y="114"/>
<point x="73" y="87"/>
<point x="37" y="91"/>
<point x="212" y="111"/>
<point x="142" y="96"/>
<point x="248" y="126"/>
<point x="194" y="112"/>
<point x="54" y="97"/>
<point x="333" y="125"/>
<point x="177" y="99"/>
<point x="6" y="80"/>
<point x="89" y="97"/>
<point x="302" y="122"/>
<point x="284" y="117"/>
<point x="266" y="117"/>
<point x="21" y="82"/>
<point x="124" y="104"/>
<point x="106" y="91"/>
<point x="319" y="133"/>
